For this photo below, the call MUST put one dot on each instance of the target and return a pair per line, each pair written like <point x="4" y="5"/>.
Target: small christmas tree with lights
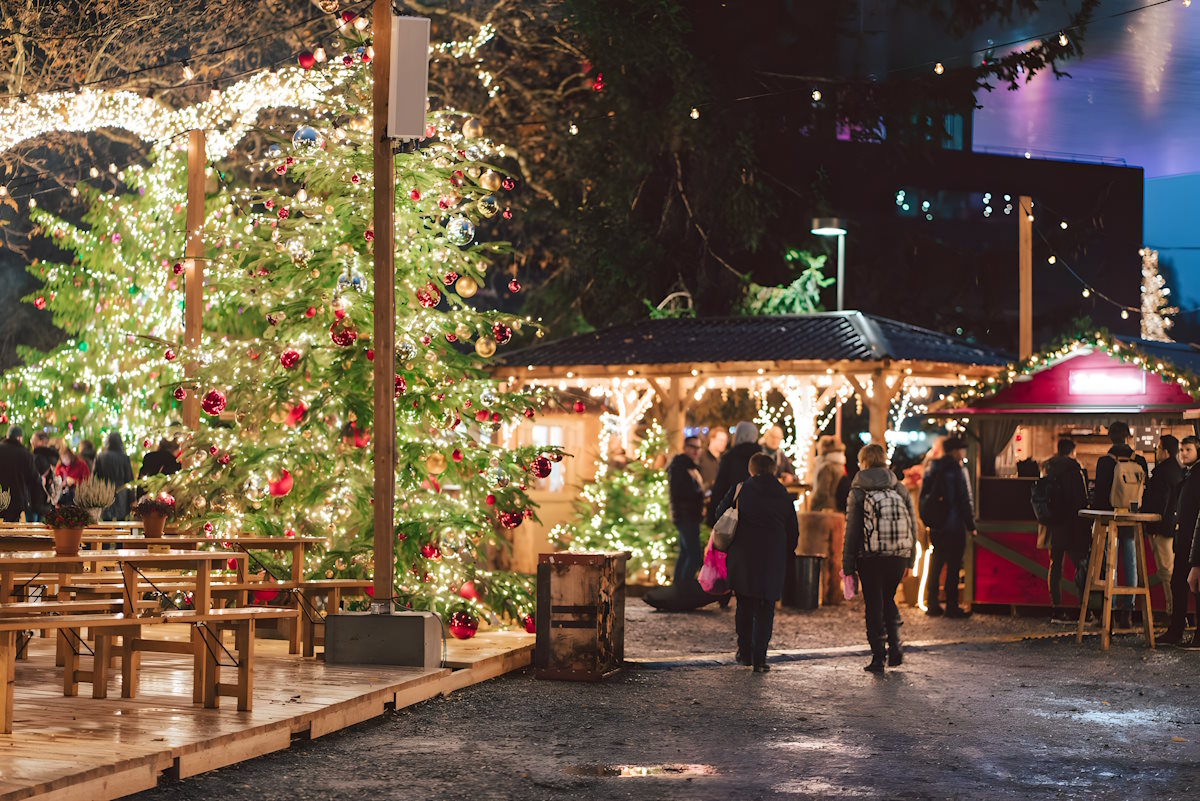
<point x="626" y="508"/>
<point x="1155" y="307"/>
<point x="121" y="282"/>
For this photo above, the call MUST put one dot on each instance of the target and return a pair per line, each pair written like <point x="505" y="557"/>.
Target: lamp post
<point x="832" y="226"/>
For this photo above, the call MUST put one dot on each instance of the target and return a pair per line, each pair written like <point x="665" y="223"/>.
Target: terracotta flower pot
<point x="67" y="541"/>
<point x="153" y="525"/>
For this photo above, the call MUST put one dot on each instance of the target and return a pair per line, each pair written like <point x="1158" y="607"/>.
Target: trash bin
<point x="580" y="615"/>
<point x="802" y="582"/>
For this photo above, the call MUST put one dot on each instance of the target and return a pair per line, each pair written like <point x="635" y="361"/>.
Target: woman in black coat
<point x="733" y="468"/>
<point x="766" y="538"/>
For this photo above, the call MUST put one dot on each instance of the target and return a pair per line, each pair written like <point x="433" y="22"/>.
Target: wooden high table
<point x="1104" y="550"/>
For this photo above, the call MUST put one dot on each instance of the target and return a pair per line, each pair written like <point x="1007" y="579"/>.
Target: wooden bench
<point x="207" y="665"/>
<point x="68" y="627"/>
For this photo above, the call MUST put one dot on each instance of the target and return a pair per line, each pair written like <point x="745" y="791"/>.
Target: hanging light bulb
<point x="1124" y="314"/>
<point x="1087" y="293"/>
<point x="1062" y="40"/>
<point x="1063" y="225"/>
<point x="938" y="69"/>
<point x="319" y="54"/>
<point x="695" y="113"/>
<point x="188" y="72"/>
<point x="816" y="95"/>
<point x="1051" y="260"/>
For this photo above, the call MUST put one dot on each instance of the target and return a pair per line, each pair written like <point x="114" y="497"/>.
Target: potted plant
<point x="95" y="495"/>
<point x="5" y="499"/>
<point x="153" y="511"/>
<point x="67" y="522"/>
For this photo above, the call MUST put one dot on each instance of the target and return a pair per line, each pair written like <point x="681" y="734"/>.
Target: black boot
<point x="895" y="654"/>
<point x="877" y="660"/>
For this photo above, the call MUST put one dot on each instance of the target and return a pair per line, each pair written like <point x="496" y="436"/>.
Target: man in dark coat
<point x="734" y="467"/>
<point x="767" y="533"/>
<point x="946" y="482"/>
<point x="686" y="490"/>
<point x="18" y="476"/>
<point x="161" y="462"/>
<point x="1069" y="536"/>
<point x="45" y="459"/>
<point x="1106" y="468"/>
<point x="1187" y="511"/>
<point x="1159" y="499"/>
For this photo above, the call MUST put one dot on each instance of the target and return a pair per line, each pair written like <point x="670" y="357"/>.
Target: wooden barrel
<point x="580" y="615"/>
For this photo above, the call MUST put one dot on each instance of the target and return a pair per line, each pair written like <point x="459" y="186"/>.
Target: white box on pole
<point x="409" y="77"/>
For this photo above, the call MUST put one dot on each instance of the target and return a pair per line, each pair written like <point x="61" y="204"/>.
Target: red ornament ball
<point x="347" y="60"/>
<point x="289" y="532"/>
<point x="429" y="296"/>
<point x="223" y="459"/>
<point x="541" y="467"/>
<point x="212" y="449"/>
<point x="169" y="355"/>
<point x="177" y="268"/>
<point x="529" y="413"/>
<point x="306" y="60"/>
<point x="343" y="333"/>
<point x="295" y="415"/>
<point x="490" y="500"/>
<point x="501" y="333"/>
<point x="414" y="194"/>
<point x="507" y="214"/>
<point x="213" y="402"/>
<point x="431" y="551"/>
<point x="530" y="624"/>
<point x="289" y="358"/>
<point x="508" y="183"/>
<point x="514" y="286"/>
<point x="579" y="407"/>
<point x="463" y="625"/>
<point x="401" y="386"/>
<point x="511" y="519"/>
<point x="370" y="354"/>
<point x="282" y="486"/>
<point x="449" y="278"/>
<point x="468" y="591"/>
<point x="310" y="312"/>
<point x="39" y="303"/>
<point x="456" y="455"/>
<point x="180" y="393"/>
<point x="283" y="213"/>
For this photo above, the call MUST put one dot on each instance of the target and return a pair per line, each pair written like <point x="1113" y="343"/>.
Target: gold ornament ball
<point x="435" y="463"/>
<point x="485" y="347"/>
<point x="473" y="172"/>
<point x="316" y="273"/>
<point x="466" y="287"/>
<point x="488" y="206"/>
<point x="472" y="128"/>
<point x="490" y="181"/>
<point x="463" y="331"/>
<point x="328" y="574"/>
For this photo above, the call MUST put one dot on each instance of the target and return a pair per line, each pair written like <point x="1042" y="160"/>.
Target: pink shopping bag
<point x="712" y="573"/>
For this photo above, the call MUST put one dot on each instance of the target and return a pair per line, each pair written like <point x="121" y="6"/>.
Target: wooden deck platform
<point x="80" y="748"/>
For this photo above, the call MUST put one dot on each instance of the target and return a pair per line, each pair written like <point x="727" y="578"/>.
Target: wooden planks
<point x="83" y="748"/>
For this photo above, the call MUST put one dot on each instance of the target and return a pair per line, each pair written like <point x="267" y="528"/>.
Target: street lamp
<point x="832" y="226"/>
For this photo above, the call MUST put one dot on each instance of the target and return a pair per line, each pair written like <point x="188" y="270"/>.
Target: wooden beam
<point x="193" y="280"/>
<point x="385" y="316"/>
<point x="1025" y="271"/>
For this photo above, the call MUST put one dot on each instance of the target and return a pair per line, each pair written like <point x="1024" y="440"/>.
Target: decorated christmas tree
<point x="284" y="444"/>
<point x="1156" y="309"/>
<point x="121" y="282"/>
<point x="626" y="508"/>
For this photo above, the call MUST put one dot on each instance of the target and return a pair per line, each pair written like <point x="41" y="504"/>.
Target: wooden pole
<point x="193" y="253"/>
<point x="1025" y="262"/>
<point x="385" y="315"/>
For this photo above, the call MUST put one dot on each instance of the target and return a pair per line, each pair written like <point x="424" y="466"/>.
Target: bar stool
<point x="1104" y="550"/>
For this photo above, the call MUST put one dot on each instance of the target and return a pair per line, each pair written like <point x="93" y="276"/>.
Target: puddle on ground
<point x="667" y="771"/>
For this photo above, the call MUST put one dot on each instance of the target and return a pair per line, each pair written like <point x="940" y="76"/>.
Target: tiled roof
<point x="827" y="336"/>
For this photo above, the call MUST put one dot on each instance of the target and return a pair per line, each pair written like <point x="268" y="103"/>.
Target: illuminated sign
<point x="1108" y="381"/>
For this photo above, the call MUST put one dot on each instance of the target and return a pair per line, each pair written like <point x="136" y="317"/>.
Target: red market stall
<point x="1013" y="423"/>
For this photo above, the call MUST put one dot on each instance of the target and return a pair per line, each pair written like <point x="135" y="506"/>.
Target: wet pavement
<point x="1041" y="718"/>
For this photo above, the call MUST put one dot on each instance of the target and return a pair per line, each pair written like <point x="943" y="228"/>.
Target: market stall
<point x="1013" y="422"/>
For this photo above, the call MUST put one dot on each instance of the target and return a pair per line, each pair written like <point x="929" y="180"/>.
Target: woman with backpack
<point x="880" y="533"/>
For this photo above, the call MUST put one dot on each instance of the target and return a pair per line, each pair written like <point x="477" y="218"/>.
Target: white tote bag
<point x="726" y="526"/>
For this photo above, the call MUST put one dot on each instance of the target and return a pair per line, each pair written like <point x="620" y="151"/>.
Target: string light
<point x="1062" y="40"/>
<point x="938" y="69"/>
<point x="695" y="115"/>
<point x="816" y="95"/>
<point x="188" y="72"/>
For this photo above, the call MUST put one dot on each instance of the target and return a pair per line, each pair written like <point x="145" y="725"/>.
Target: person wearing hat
<point x="828" y="467"/>
<point x="947" y="509"/>
<point x="1106" y="469"/>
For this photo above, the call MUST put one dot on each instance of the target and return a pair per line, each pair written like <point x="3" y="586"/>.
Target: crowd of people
<point x="750" y="474"/>
<point x="46" y="473"/>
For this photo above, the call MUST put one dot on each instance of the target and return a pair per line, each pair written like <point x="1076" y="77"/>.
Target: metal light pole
<point x="832" y="226"/>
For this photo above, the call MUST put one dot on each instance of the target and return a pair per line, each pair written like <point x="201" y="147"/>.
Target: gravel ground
<point x="1036" y="719"/>
<point x="653" y="634"/>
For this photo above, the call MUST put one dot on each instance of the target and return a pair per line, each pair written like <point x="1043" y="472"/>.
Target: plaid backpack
<point x="887" y="527"/>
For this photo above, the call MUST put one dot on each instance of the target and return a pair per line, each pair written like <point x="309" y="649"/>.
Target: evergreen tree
<point x="285" y="442"/>
<point x="626" y="508"/>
